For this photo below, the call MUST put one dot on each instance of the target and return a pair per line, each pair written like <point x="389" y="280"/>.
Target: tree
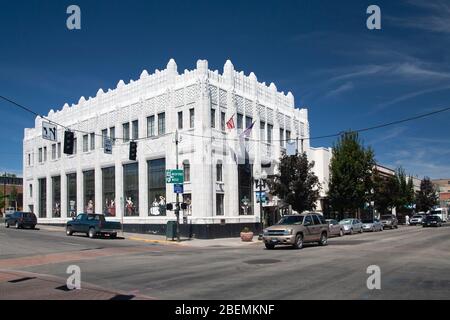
<point x="384" y="192"/>
<point x="2" y="200"/>
<point x="426" y="197"/>
<point x="351" y="169"/>
<point x="295" y="183"/>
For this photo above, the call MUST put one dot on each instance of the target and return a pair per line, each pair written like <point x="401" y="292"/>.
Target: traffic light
<point x="169" y="206"/>
<point x="133" y="150"/>
<point x="68" y="142"/>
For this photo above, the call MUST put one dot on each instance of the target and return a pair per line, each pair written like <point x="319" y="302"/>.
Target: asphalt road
<point x="414" y="264"/>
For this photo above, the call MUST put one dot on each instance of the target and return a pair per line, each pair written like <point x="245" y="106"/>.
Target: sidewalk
<point x="153" y="238"/>
<point x="33" y="286"/>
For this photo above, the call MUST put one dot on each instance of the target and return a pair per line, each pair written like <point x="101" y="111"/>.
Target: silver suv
<point x="295" y="230"/>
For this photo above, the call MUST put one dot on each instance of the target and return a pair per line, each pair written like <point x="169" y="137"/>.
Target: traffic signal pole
<point x="177" y="205"/>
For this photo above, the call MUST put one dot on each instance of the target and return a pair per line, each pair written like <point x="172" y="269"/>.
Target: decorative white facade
<point x="206" y="144"/>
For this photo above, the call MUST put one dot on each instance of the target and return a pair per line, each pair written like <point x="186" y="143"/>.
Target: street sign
<point x="49" y="131"/>
<point x="107" y="148"/>
<point x="261" y="196"/>
<point x="174" y="176"/>
<point x="178" y="188"/>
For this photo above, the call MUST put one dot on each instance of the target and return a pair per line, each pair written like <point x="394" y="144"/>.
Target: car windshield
<point x="417" y="216"/>
<point x="346" y="221"/>
<point x="432" y="218"/>
<point x="291" y="220"/>
<point x="435" y="212"/>
<point x="367" y="221"/>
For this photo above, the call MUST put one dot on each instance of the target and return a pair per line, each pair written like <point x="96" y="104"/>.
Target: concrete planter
<point x="247" y="236"/>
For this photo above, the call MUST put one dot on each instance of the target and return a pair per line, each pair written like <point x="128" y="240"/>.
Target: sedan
<point x="417" y="219"/>
<point x="351" y="225"/>
<point x="335" y="228"/>
<point x="432" y="221"/>
<point x="372" y="225"/>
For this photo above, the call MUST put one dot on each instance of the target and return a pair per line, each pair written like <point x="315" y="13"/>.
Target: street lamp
<point x="260" y="184"/>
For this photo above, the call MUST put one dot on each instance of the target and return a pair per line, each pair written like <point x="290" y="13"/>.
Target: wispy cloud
<point x="437" y="19"/>
<point x="348" y="86"/>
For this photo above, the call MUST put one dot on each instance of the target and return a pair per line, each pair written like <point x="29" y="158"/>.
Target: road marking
<point x="155" y="241"/>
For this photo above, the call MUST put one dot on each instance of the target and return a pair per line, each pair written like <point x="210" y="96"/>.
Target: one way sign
<point x="49" y="131"/>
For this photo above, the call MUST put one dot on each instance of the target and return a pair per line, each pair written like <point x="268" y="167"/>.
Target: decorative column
<point x="230" y="166"/>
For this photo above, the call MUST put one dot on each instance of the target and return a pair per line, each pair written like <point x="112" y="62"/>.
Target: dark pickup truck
<point x="92" y="224"/>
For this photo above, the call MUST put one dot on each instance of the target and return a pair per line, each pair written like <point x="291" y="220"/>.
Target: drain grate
<point x="21" y="279"/>
<point x="122" y="297"/>
<point x="63" y="288"/>
<point x="262" y="261"/>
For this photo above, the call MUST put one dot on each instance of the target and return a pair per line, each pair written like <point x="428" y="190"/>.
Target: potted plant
<point x="246" y="234"/>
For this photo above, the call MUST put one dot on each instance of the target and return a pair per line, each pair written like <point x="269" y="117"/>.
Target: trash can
<point x="171" y="230"/>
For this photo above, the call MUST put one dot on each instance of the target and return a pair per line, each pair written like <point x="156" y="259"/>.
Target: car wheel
<point x="32" y="226"/>
<point x="298" y="241"/>
<point x="6" y="224"/>
<point x="269" y="246"/>
<point x="91" y="233"/>
<point x="341" y="233"/>
<point x="361" y="230"/>
<point x="113" y="235"/>
<point x="17" y="225"/>
<point x="396" y="226"/>
<point x="351" y="231"/>
<point x="323" y="239"/>
<point x="69" y="231"/>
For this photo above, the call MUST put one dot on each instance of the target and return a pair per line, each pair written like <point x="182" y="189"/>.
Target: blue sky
<point x="346" y="75"/>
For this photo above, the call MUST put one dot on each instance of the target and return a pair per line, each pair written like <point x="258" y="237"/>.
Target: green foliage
<point x="427" y="196"/>
<point x="2" y="200"/>
<point x="351" y="168"/>
<point x="296" y="184"/>
<point x="395" y="191"/>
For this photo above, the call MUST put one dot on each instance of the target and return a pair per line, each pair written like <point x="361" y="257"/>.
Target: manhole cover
<point x="262" y="261"/>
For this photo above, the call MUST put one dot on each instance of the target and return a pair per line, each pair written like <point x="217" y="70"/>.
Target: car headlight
<point x="265" y="232"/>
<point x="288" y="232"/>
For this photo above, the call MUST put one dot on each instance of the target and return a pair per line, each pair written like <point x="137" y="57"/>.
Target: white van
<point x="441" y="213"/>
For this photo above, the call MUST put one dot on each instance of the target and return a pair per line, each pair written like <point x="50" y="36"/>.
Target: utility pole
<point x="177" y="205"/>
<point x="4" y="193"/>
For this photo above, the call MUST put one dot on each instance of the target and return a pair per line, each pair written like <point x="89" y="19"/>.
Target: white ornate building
<point x="197" y="104"/>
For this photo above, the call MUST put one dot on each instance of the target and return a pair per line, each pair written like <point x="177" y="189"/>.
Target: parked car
<point x="9" y="211"/>
<point x="389" y="221"/>
<point x="335" y="228"/>
<point x="432" y="221"/>
<point x="372" y="225"/>
<point x="295" y="230"/>
<point x="416" y="219"/>
<point x="21" y="219"/>
<point x="92" y="224"/>
<point x="351" y="225"/>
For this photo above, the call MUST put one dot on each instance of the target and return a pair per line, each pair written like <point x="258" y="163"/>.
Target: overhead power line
<point x="383" y="125"/>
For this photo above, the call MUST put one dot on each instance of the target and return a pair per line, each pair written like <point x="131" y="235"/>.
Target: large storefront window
<point x="157" y="187"/>
<point x="109" y="191"/>
<point x="56" y="194"/>
<point x="131" y="189"/>
<point x="43" y="198"/>
<point x="72" y="194"/>
<point x="89" y="191"/>
<point x="245" y="188"/>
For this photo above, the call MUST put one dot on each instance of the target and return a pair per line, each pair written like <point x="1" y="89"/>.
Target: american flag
<point x="246" y="133"/>
<point x="230" y="123"/>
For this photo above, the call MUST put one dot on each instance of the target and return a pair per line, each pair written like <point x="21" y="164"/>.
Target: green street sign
<point x="174" y="176"/>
